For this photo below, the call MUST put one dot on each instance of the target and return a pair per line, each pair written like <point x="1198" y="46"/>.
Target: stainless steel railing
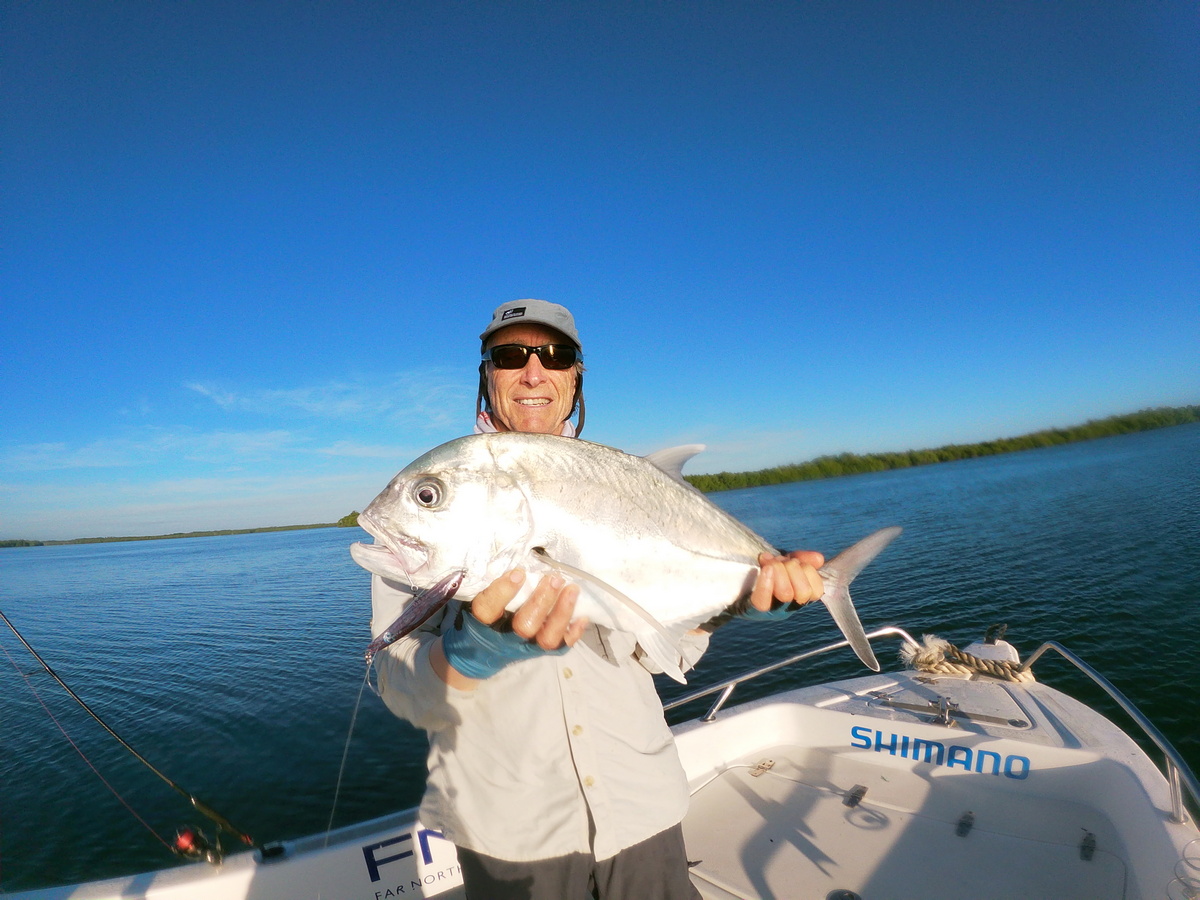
<point x="726" y="687"/>
<point x="1179" y="775"/>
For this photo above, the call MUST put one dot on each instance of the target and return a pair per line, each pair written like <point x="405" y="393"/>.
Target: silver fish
<point x="652" y="556"/>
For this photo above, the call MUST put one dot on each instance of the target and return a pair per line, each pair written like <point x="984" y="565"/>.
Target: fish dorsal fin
<point x="672" y="459"/>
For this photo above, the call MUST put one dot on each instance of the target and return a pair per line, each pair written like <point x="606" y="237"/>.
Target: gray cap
<point x="537" y="312"/>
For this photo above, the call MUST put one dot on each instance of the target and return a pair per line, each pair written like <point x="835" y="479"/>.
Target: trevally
<point x="651" y="554"/>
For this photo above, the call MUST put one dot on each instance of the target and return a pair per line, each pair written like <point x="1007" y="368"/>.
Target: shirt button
<point x="567" y="673"/>
<point x="577" y="730"/>
<point x="589" y="781"/>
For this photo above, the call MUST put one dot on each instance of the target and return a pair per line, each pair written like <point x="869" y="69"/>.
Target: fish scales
<point x="627" y="492"/>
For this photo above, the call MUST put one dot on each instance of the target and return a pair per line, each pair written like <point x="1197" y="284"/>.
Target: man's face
<point x="535" y="400"/>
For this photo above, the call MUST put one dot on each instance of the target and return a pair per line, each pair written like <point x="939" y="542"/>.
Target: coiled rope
<point x="940" y="657"/>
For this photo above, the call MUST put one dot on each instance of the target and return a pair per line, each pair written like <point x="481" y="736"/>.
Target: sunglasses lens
<point x="509" y="356"/>
<point x="556" y="356"/>
<point x="552" y="356"/>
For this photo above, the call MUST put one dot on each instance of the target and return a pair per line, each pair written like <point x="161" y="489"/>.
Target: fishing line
<point x="203" y="808"/>
<point x="133" y="812"/>
<point x="337" y="791"/>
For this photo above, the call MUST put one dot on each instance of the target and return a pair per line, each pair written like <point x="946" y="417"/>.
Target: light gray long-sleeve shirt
<point x="550" y="756"/>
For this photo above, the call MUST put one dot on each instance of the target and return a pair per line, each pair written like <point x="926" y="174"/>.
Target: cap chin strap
<point x="482" y="403"/>
<point x="579" y="403"/>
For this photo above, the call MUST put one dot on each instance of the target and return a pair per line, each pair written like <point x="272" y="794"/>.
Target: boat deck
<point x="862" y="789"/>
<point x="759" y="833"/>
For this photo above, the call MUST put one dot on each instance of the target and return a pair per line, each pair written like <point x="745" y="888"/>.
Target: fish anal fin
<point x="665" y="654"/>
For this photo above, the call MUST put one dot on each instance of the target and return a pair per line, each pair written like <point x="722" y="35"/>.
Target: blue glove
<point x="776" y="613"/>
<point x="478" y="651"/>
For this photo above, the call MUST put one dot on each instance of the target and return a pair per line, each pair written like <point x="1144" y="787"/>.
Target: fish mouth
<point x="410" y="553"/>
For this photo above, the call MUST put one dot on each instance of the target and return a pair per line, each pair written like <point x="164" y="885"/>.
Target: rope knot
<point x="940" y="657"/>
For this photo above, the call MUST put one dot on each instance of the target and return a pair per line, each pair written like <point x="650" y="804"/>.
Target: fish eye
<point x="428" y="493"/>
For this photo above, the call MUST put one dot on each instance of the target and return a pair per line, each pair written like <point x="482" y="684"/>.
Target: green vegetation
<point x="20" y="543"/>
<point x="349" y="521"/>
<point x="853" y="464"/>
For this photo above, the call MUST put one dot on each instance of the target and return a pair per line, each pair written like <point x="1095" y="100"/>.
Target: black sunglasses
<point x="515" y="356"/>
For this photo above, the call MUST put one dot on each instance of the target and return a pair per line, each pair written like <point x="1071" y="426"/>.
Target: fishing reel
<point x="193" y="844"/>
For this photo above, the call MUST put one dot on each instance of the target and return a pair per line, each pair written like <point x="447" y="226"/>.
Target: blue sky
<point x="246" y="248"/>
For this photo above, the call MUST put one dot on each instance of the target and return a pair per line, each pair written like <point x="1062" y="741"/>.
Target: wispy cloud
<point x="144" y="446"/>
<point x="406" y="403"/>
<point x="428" y="400"/>
<point x="350" y="449"/>
<point x="726" y="448"/>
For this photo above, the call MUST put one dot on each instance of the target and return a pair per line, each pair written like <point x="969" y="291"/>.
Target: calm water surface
<point x="233" y="663"/>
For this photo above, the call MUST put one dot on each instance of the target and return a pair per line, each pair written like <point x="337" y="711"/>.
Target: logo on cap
<point x="512" y="313"/>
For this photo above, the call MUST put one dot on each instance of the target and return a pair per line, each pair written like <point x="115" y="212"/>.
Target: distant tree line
<point x="344" y="522"/>
<point x="164" y="537"/>
<point x="854" y="464"/>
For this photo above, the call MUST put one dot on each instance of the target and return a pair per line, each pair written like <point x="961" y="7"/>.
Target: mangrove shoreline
<point x="855" y="464"/>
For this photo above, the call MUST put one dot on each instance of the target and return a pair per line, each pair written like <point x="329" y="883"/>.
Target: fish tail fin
<point x="837" y="575"/>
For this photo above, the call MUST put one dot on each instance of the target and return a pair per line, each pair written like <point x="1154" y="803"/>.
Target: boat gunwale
<point x="1180" y="778"/>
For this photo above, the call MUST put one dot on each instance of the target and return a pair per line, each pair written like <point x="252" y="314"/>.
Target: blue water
<point x="233" y="663"/>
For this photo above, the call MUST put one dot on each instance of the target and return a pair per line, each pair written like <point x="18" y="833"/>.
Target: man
<point x="551" y="766"/>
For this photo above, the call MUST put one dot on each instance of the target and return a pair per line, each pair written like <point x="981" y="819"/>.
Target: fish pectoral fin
<point x="625" y="604"/>
<point x="655" y="640"/>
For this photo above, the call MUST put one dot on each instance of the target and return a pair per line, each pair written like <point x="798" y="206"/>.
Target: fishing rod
<point x="199" y="805"/>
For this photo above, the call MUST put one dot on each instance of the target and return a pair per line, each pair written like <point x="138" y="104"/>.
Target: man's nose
<point x="533" y="373"/>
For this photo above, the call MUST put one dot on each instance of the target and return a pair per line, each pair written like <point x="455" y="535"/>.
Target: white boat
<point x="886" y="787"/>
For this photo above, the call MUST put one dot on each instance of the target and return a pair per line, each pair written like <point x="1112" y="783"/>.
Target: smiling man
<point x="551" y="766"/>
<point x="531" y="376"/>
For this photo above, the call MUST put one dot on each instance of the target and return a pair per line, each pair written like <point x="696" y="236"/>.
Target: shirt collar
<point x="483" y="425"/>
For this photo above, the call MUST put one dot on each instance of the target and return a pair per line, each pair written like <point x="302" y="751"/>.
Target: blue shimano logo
<point x="935" y="753"/>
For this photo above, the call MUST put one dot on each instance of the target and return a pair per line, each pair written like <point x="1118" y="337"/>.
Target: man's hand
<point x="463" y="658"/>
<point x="787" y="579"/>
<point x="545" y="618"/>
